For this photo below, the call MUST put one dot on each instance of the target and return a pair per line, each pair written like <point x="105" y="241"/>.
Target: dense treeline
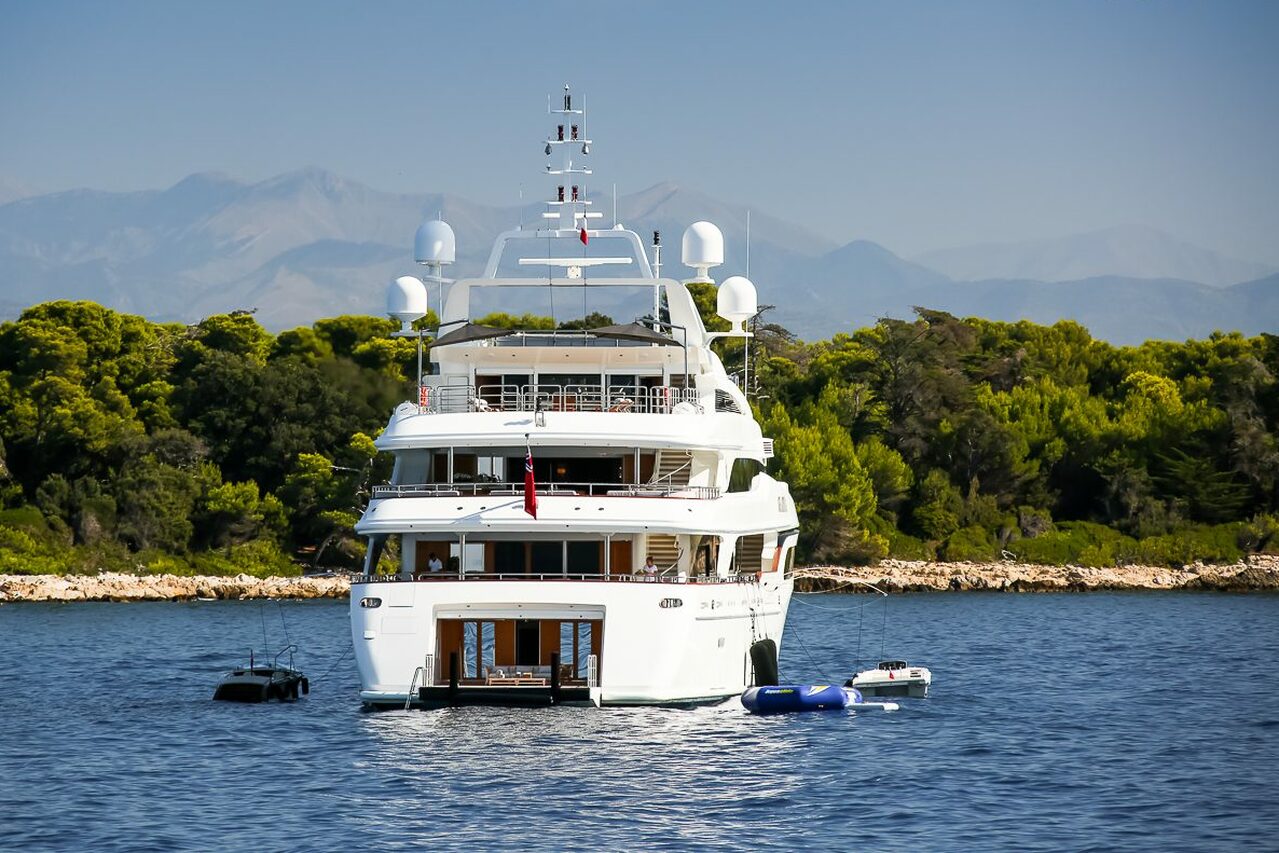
<point x="217" y="448"/>
<point x="213" y="448"/>
<point x="971" y="440"/>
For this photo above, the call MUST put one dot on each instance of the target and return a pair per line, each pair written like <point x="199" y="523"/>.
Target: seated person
<point x="433" y="563"/>
<point x="649" y="569"/>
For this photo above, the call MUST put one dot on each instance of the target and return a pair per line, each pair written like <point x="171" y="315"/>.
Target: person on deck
<point x="433" y="563"/>
<point x="649" y="571"/>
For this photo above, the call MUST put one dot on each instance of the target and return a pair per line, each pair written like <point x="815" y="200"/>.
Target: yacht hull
<point x="653" y="643"/>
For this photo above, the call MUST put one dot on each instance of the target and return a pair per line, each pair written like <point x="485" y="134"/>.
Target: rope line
<point x="335" y="663"/>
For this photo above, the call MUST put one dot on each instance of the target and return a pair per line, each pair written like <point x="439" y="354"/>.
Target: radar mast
<point x="568" y="209"/>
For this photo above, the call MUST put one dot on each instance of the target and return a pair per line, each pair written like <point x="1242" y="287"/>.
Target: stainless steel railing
<point x="453" y="398"/>
<point x="511" y="490"/>
<point x="446" y="575"/>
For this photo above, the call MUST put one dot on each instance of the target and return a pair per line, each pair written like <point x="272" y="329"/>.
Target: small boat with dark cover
<point x="264" y="682"/>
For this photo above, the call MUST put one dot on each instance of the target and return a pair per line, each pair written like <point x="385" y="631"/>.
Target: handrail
<point x="290" y="648"/>
<point x="669" y="476"/>
<point x="456" y="397"/>
<point x="445" y="576"/>
<point x="511" y="490"/>
<point x="409" y="696"/>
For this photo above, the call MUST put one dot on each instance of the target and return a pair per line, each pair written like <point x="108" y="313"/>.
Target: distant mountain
<point x="1125" y="311"/>
<point x="13" y="190"/>
<point x="299" y="246"/>
<point x="855" y="284"/>
<point x="311" y="244"/>
<point x="1130" y="251"/>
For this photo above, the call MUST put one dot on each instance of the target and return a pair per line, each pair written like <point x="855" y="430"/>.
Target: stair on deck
<point x="672" y="467"/>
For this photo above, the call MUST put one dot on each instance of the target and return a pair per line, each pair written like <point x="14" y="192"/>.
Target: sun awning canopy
<point x="469" y="332"/>
<point x="635" y="332"/>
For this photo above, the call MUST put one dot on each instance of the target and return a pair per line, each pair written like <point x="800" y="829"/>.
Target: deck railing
<point x="634" y="399"/>
<point x="446" y="575"/>
<point x="512" y="490"/>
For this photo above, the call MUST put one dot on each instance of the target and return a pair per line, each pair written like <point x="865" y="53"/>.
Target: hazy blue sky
<point x="918" y="125"/>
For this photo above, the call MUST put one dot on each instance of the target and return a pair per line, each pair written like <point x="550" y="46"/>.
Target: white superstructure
<point x="642" y="447"/>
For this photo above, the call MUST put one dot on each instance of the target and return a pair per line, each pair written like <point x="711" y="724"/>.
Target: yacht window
<point x="508" y="558"/>
<point x="547" y="558"/>
<point x="491" y="469"/>
<point x="585" y="558"/>
<point x="724" y="402"/>
<point x="743" y="471"/>
<point x="473" y="559"/>
<point x="568" y="381"/>
<point x="413" y="466"/>
<point x="583" y="648"/>
<point x="464" y="467"/>
<point x="517" y="380"/>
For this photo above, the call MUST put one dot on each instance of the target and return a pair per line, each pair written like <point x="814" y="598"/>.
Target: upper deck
<point x="651" y="383"/>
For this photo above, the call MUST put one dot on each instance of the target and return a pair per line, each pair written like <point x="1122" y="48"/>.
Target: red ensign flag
<point x="530" y="488"/>
<point x="585" y="238"/>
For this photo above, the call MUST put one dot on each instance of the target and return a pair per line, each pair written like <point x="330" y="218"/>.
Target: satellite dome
<point x="435" y="243"/>
<point x="703" y="248"/>
<point x="406" y="300"/>
<point x="736" y="300"/>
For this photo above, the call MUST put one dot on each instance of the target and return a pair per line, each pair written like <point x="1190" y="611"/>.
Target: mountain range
<point x="309" y="244"/>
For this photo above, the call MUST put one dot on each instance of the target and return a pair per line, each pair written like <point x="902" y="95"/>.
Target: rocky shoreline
<point x="1257" y="573"/>
<point x="112" y="586"/>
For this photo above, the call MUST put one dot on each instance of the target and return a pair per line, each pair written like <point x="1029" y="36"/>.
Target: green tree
<point x="938" y="506"/>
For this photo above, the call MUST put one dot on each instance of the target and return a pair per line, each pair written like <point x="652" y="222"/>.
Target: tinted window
<point x="744" y="470"/>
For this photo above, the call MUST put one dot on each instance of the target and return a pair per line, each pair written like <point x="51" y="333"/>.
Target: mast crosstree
<point x="569" y="208"/>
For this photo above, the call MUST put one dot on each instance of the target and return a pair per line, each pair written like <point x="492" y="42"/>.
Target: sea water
<point x="1063" y="721"/>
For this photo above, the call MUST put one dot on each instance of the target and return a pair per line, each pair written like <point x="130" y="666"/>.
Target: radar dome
<point x="406" y="301"/>
<point x="435" y="243"/>
<point x="736" y="301"/>
<point x="703" y="248"/>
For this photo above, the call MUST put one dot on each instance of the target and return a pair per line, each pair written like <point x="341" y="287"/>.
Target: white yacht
<point x="579" y="516"/>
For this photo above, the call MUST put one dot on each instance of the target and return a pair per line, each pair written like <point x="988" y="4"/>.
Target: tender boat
<point x="263" y="682"/>
<point x="579" y="516"/>
<point x="893" y="678"/>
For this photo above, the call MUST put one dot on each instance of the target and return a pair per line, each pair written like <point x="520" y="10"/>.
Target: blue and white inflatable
<point x="790" y="698"/>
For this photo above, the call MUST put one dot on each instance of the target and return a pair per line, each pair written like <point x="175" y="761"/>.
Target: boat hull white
<point x="661" y="643"/>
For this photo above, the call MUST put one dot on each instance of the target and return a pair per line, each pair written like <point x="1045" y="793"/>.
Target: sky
<point x="918" y="125"/>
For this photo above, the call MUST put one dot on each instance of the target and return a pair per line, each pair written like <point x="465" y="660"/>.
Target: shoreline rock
<point x="113" y="586"/>
<point x="1257" y="573"/>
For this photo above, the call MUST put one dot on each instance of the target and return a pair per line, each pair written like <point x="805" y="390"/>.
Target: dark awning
<point x="469" y="332"/>
<point x="635" y="332"/>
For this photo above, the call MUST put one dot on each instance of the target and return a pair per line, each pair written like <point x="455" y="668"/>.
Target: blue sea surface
<point x="1056" y="722"/>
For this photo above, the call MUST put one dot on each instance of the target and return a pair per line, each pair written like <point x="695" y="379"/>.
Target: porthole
<point x="370" y="602"/>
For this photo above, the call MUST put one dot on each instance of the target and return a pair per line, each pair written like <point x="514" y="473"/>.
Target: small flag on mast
<point x="583" y="236"/>
<point x="530" y="487"/>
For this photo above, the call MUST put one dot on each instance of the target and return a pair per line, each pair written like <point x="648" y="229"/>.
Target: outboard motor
<point x="764" y="661"/>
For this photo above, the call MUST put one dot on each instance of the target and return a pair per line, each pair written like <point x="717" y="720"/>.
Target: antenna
<point x="748" y="242"/>
<point x="521" y="214"/>
<point x="615" y="204"/>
